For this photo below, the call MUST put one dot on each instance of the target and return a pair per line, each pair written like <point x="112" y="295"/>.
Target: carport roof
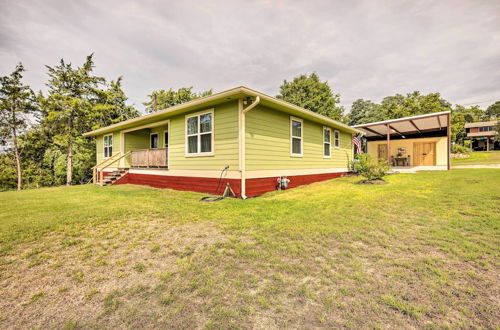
<point x="408" y="125"/>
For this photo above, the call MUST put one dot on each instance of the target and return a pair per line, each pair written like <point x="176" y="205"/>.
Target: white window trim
<point x="329" y="143"/>
<point x="164" y="144"/>
<point x="104" y="146"/>
<point x="157" y="139"/>
<point x="296" y="137"/>
<point x="199" y="153"/>
<point x="335" y="140"/>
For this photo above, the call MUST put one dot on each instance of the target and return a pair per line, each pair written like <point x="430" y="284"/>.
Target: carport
<point x="418" y="142"/>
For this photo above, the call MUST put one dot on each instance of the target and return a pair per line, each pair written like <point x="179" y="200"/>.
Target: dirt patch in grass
<point x="104" y="275"/>
<point x="376" y="182"/>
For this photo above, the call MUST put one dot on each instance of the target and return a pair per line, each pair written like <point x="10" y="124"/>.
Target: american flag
<point x="357" y="143"/>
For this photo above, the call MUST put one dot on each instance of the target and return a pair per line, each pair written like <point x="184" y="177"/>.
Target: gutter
<point x="214" y="98"/>
<point x="242" y="154"/>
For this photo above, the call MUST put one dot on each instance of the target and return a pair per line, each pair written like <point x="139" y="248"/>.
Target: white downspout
<point x="243" y="142"/>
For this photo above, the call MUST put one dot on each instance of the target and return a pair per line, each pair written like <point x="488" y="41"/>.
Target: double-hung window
<point x="199" y="134"/>
<point x="336" y="137"/>
<point x="327" y="142"/>
<point x="296" y="137"/>
<point x="108" y="145"/>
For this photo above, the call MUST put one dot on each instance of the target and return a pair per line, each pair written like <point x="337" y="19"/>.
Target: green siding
<point x="100" y="149"/>
<point x="135" y="140"/>
<point x="268" y="143"/>
<point x="159" y="130"/>
<point x="225" y="141"/>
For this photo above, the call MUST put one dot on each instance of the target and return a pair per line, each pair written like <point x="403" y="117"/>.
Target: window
<point x="153" y="141"/>
<point x="327" y="142"/>
<point x="337" y="139"/>
<point x="486" y="129"/>
<point x="165" y="139"/>
<point x="296" y="136"/>
<point x="199" y="134"/>
<point x="108" y="145"/>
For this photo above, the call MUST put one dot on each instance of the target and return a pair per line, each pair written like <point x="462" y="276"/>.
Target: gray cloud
<point x="365" y="49"/>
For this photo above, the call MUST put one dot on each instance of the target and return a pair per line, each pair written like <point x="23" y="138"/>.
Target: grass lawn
<point x="479" y="158"/>
<point x="421" y="251"/>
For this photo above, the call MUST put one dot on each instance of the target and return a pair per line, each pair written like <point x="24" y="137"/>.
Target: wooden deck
<point x="149" y="158"/>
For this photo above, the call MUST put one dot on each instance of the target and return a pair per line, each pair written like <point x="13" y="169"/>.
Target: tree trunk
<point x="18" y="160"/>
<point x="69" y="166"/>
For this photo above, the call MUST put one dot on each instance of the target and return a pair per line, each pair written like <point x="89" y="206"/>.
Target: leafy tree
<point x="162" y="99"/>
<point x="35" y="143"/>
<point x="412" y="104"/>
<point x="461" y="115"/>
<point x="68" y="109"/>
<point x="16" y="105"/>
<point x="8" y="173"/>
<point x="53" y="149"/>
<point x="399" y="106"/>
<point x="310" y="93"/>
<point x="364" y="111"/>
<point x="111" y="106"/>
<point x="493" y="111"/>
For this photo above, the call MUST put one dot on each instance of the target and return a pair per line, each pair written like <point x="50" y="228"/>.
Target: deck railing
<point x="98" y="170"/>
<point x="149" y="158"/>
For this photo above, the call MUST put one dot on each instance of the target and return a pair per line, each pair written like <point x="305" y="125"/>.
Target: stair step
<point x="114" y="176"/>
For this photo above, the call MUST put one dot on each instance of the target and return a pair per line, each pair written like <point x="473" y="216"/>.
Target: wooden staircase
<point x="114" y="176"/>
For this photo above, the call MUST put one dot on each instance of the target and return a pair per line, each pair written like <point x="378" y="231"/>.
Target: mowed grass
<point x="421" y="251"/>
<point x="479" y="158"/>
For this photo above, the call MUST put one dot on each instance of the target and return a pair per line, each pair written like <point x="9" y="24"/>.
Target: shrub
<point x="459" y="149"/>
<point x="370" y="168"/>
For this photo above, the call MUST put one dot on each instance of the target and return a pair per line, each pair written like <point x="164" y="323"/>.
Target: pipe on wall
<point x="242" y="154"/>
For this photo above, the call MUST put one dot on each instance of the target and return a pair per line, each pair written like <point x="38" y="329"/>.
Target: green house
<point x="251" y="141"/>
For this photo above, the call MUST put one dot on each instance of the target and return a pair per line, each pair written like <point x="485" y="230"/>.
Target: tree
<point x="36" y="171"/>
<point x="111" y="106"/>
<point x="8" y="175"/>
<point x="363" y="111"/>
<point x="412" y="104"/>
<point x="68" y="109"/>
<point x="493" y="111"/>
<point x="461" y="115"/>
<point x="162" y="99"/>
<point x="310" y="93"/>
<point x="16" y="105"/>
<point x="397" y="106"/>
<point x="416" y="103"/>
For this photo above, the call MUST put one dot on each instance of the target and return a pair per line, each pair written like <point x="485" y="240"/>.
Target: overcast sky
<point x="364" y="49"/>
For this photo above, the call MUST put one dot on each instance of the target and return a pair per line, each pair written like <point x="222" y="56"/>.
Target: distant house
<point x="482" y="135"/>
<point x="414" y="143"/>
<point x="261" y="140"/>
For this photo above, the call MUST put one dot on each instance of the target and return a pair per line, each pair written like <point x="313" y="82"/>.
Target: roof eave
<point x="160" y="113"/>
<point x="427" y="115"/>
<point x="225" y="94"/>
<point x="318" y="117"/>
